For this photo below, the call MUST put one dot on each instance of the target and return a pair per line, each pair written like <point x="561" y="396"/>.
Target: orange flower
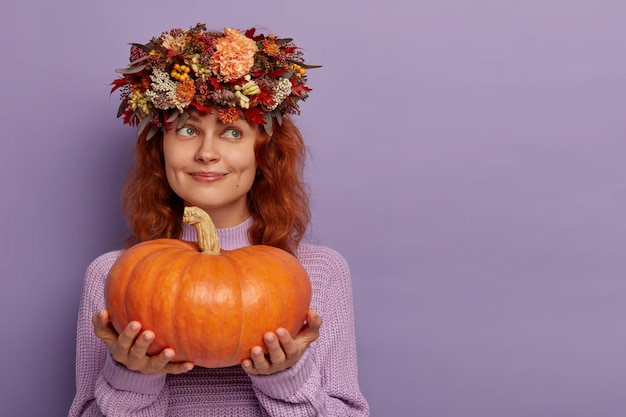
<point x="234" y="55"/>
<point x="174" y="44"/>
<point x="185" y="90"/>
<point x="270" y="47"/>
<point x="228" y="115"/>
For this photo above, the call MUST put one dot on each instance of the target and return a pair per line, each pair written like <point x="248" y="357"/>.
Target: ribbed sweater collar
<point x="230" y="238"/>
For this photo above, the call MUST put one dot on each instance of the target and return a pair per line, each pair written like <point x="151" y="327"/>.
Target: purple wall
<point x="466" y="157"/>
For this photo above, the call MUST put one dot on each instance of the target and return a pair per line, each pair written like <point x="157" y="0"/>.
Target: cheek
<point x="251" y="168"/>
<point x="174" y="156"/>
<point x="172" y="165"/>
<point x="247" y="173"/>
<point x="244" y="161"/>
<point x="168" y="164"/>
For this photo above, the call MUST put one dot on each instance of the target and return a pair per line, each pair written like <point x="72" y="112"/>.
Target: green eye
<point x="232" y="133"/>
<point x="186" y="131"/>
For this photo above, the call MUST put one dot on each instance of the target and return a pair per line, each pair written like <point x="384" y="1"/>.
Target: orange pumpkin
<point x="208" y="304"/>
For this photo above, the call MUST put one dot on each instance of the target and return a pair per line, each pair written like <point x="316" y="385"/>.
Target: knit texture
<point x="324" y="382"/>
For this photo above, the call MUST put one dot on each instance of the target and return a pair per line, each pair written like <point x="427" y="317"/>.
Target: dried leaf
<point x="201" y="108"/>
<point x="268" y="124"/>
<point x="118" y="83"/>
<point x="254" y="115"/>
<point x="183" y="119"/>
<point x="130" y="70"/>
<point x="300" y="90"/>
<point x="306" y="66"/>
<point x="153" y="131"/>
<point x="146" y="48"/>
<point x="138" y="60"/>
<point x="279" y="117"/>
<point x="144" y="123"/>
<point x="172" y="116"/>
<point x="121" y="108"/>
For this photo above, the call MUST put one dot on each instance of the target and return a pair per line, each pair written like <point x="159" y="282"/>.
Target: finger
<point x="120" y="350"/>
<point x="311" y="330"/>
<point x="161" y="360"/>
<point x="274" y="348"/>
<point x="101" y="318"/>
<point x="307" y="336"/>
<point x="259" y="361"/>
<point x="127" y="338"/>
<point x="102" y="328"/>
<point x="314" y="320"/>
<point x="248" y="366"/>
<point x="136" y="357"/>
<point x="178" y="367"/>
<point x="139" y="349"/>
<point x="287" y="343"/>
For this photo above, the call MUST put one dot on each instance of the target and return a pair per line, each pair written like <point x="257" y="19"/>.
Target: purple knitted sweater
<point x="323" y="383"/>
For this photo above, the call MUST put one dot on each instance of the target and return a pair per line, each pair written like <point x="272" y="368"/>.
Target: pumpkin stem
<point x="205" y="229"/>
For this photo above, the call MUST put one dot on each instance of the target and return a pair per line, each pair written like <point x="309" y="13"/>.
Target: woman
<point x="213" y="114"/>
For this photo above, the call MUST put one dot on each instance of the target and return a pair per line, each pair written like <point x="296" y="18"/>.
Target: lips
<point x="208" y="176"/>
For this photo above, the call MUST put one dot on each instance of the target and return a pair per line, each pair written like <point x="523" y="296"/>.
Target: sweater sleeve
<point x="104" y="387"/>
<point x="324" y="382"/>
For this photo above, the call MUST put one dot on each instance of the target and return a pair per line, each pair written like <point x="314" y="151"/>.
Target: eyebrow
<point x="194" y="117"/>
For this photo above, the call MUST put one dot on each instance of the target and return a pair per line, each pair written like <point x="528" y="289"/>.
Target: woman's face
<point x="212" y="165"/>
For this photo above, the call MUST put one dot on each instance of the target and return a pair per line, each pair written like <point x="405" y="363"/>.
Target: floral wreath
<point x="258" y="77"/>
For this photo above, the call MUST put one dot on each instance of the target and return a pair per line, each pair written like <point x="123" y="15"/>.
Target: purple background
<point x="466" y="158"/>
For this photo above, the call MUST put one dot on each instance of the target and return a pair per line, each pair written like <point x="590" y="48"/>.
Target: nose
<point x="207" y="151"/>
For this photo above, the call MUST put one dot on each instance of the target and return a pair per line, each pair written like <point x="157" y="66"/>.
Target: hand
<point x="130" y="347"/>
<point x="283" y="350"/>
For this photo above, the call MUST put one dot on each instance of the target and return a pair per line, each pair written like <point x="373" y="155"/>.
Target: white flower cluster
<point x="163" y="90"/>
<point x="282" y="91"/>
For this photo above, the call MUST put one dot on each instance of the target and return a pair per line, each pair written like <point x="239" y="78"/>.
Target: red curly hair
<point x="278" y="199"/>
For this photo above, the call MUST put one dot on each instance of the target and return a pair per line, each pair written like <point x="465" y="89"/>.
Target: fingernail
<point x="134" y="326"/>
<point x="269" y="337"/>
<point x="148" y="336"/>
<point x="281" y="332"/>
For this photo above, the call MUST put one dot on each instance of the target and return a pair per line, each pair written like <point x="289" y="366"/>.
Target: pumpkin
<point x="208" y="304"/>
